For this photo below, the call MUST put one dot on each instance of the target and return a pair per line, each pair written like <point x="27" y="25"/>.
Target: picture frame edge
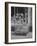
<point x="6" y="22"/>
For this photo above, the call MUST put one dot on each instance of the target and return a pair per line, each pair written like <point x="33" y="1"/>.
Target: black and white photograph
<point x="21" y="22"/>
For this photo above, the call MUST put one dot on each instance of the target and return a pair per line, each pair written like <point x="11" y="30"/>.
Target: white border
<point x="9" y="23"/>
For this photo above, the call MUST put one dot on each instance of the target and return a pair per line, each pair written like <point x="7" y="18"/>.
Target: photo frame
<point x="20" y="22"/>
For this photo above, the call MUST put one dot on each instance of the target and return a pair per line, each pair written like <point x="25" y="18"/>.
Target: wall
<point x="2" y="24"/>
